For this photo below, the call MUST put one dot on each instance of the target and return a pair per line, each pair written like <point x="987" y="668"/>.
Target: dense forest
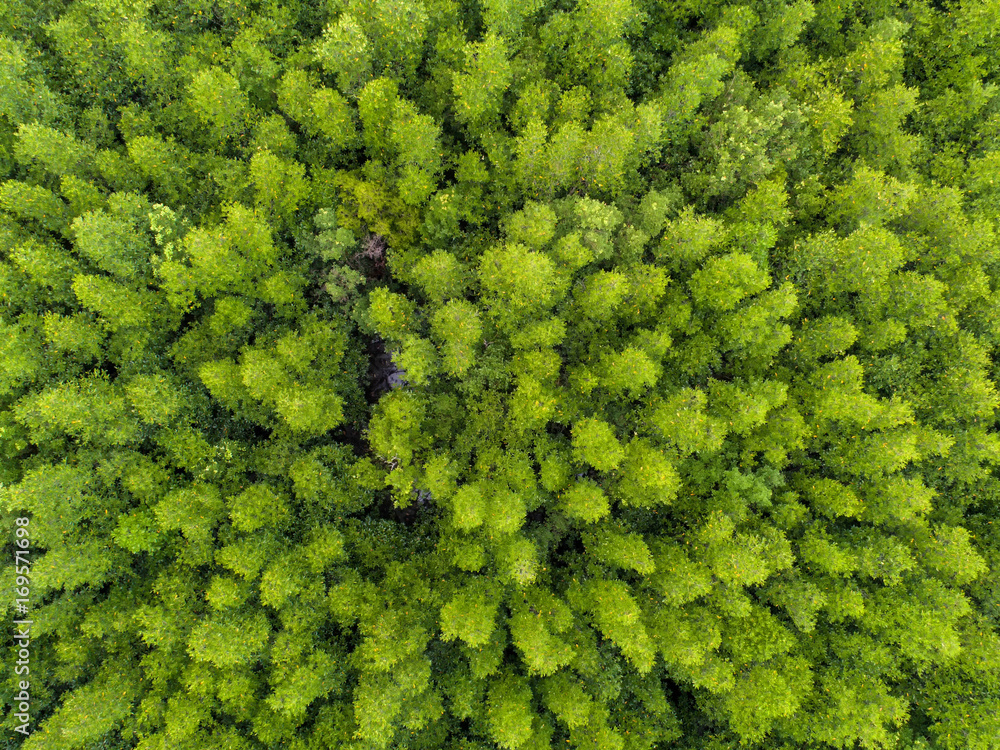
<point x="521" y="374"/>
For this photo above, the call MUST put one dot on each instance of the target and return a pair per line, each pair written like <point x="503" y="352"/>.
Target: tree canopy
<point x="694" y="443"/>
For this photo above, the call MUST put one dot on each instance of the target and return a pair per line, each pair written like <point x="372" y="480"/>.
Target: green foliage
<point x="626" y="551"/>
<point x="648" y="478"/>
<point x="33" y="202"/>
<point x="457" y="327"/>
<point x="441" y="275"/>
<point x="618" y="617"/>
<point x="280" y="186"/>
<point x="680" y="424"/>
<point x="726" y="280"/>
<point x="585" y="501"/>
<point x="509" y="711"/>
<point x="217" y="100"/>
<point x="49" y="150"/>
<point x="344" y="51"/>
<point x="322" y="111"/>
<point x="469" y="616"/>
<point x="487" y="75"/>
<point x="682" y="421"/>
<point x="519" y="281"/>
<point x="594" y="442"/>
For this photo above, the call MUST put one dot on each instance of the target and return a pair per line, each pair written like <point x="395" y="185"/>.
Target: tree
<point x="695" y="435"/>
<point x="870" y="198"/>
<point x="397" y="29"/>
<point x="33" y="202"/>
<point x="486" y="77"/>
<point x="509" y="711"/>
<point x="535" y="625"/>
<point x="217" y="100"/>
<point x="682" y="421"/>
<point x="456" y="325"/>
<point x="26" y="97"/>
<point x="647" y="477"/>
<point x="726" y="280"/>
<point x="280" y="185"/>
<point x="344" y="51"/>
<point x="519" y="282"/>
<point x="595" y="443"/>
<point x="414" y="137"/>
<point x="114" y="240"/>
<point x="322" y="111"/>
<point x="441" y="275"/>
<point x="619" y="618"/>
<point x="469" y="615"/>
<point x="616" y="549"/>
<point x="46" y="149"/>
